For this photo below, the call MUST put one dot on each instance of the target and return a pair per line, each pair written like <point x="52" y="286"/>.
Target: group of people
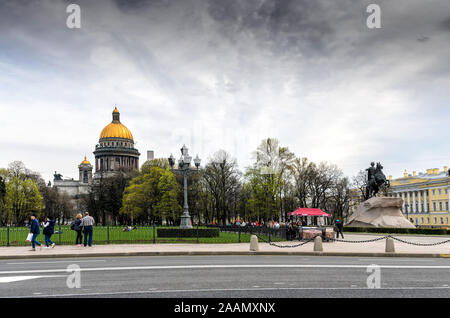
<point x="292" y="228"/>
<point x="35" y="230"/>
<point x="86" y="225"/>
<point x="81" y="224"/>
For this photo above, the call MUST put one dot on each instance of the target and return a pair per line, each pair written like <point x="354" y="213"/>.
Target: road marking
<point x="397" y="260"/>
<point x="169" y="267"/>
<point x="11" y="279"/>
<point x="55" y="262"/>
<point x="228" y="290"/>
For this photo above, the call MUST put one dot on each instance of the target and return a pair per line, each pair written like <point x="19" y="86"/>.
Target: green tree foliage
<point x="264" y="197"/>
<point x="2" y="195"/>
<point x="22" y="196"/>
<point x="151" y="196"/>
<point x="157" y="162"/>
<point x="269" y="179"/>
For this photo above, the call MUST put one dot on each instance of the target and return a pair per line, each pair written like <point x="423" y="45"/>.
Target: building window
<point x="434" y="192"/>
<point x="434" y="206"/>
<point x="435" y="220"/>
<point x="428" y="220"/>
<point x="442" y="220"/>
<point x="440" y="191"/>
<point x="428" y="207"/>
<point x="440" y="206"/>
<point x="446" y="205"/>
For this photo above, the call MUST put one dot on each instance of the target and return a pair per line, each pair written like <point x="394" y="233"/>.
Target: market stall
<point x="312" y="222"/>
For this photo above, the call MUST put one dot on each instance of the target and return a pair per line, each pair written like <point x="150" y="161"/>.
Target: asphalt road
<point x="225" y="277"/>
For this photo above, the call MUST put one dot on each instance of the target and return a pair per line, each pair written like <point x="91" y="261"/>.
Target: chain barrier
<point x="363" y="241"/>
<point x="419" y="244"/>
<point x="345" y="241"/>
<point x="349" y="241"/>
<point x="285" y="246"/>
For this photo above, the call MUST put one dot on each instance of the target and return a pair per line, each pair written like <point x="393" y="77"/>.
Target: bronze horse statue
<point x="376" y="180"/>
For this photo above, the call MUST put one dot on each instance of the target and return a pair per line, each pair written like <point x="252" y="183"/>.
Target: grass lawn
<point x="17" y="236"/>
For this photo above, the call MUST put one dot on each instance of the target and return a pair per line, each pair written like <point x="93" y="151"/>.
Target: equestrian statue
<point x="375" y="179"/>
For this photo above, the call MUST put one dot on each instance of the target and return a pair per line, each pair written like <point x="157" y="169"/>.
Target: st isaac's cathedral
<point x="114" y="152"/>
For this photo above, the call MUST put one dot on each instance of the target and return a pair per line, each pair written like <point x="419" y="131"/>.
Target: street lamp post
<point x="184" y="168"/>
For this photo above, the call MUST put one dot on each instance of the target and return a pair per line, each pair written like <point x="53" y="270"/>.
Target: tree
<point x="2" y="195"/>
<point x="359" y="182"/>
<point x="275" y="162"/>
<point x="222" y="180"/>
<point x="151" y="196"/>
<point x="157" y="162"/>
<point x="22" y="196"/>
<point x="21" y="200"/>
<point x="340" y="199"/>
<point x="105" y="197"/>
<point x="320" y="186"/>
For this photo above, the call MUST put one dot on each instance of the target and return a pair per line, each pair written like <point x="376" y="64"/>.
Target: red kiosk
<point x="308" y="232"/>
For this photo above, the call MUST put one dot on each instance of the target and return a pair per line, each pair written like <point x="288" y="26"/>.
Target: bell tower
<point x="85" y="169"/>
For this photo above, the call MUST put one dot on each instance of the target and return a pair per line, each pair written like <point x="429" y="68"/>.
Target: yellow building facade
<point x="426" y="197"/>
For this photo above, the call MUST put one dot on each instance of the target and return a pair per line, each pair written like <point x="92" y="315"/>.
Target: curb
<point x="225" y="253"/>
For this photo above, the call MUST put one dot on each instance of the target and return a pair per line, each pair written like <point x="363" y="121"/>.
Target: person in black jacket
<point x="49" y="229"/>
<point x="339" y="228"/>
<point x="76" y="226"/>
<point x="35" y="230"/>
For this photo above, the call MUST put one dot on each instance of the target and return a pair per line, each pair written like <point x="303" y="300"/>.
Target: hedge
<point x="202" y="232"/>
<point x="398" y="230"/>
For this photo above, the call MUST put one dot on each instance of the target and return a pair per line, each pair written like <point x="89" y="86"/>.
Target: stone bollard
<point x="254" y="243"/>
<point x="390" y="248"/>
<point x="318" y="244"/>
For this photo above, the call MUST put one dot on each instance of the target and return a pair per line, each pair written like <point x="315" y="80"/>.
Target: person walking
<point x="35" y="230"/>
<point x="339" y="228"/>
<point x="88" y="227"/>
<point x="76" y="226"/>
<point x="49" y="229"/>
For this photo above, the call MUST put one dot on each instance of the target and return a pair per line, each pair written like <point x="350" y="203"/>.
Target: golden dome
<point x="85" y="161"/>
<point x="116" y="129"/>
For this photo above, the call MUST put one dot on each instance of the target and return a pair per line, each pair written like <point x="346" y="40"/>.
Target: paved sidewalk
<point x="374" y="249"/>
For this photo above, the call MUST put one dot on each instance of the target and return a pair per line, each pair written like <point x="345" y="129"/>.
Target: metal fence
<point x="270" y="234"/>
<point x="15" y="236"/>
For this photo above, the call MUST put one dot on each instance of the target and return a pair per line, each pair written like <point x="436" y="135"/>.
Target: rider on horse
<point x="375" y="179"/>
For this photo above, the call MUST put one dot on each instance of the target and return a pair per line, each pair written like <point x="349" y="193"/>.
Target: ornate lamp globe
<point x="197" y="161"/>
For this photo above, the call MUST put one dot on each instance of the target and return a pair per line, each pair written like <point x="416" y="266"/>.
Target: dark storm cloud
<point x="445" y="24"/>
<point x="287" y="24"/>
<point x="126" y="5"/>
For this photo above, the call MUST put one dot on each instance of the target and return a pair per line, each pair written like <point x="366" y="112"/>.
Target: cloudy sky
<point x="225" y="74"/>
